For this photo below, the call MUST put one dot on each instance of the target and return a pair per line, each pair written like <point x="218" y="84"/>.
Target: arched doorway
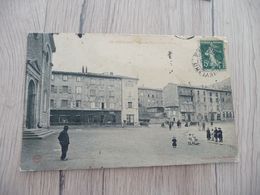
<point x="30" y="117"/>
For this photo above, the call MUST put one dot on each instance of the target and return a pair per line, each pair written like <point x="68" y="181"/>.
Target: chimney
<point x="82" y="69"/>
<point x="86" y="69"/>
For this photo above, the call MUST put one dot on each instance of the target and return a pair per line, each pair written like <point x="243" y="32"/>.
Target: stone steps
<point x="37" y="133"/>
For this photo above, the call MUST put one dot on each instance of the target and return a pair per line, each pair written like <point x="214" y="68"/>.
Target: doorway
<point x="30" y="115"/>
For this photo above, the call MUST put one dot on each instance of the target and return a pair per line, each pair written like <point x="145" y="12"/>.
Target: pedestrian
<point x="216" y="134"/>
<point x="64" y="142"/>
<point x="186" y="124"/>
<point x="220" y="135"/>
<point x="174" y="142"/>
<point x="162" y="125"/>
<point x="190" y="139"/>
<point x="38" y="125"/>
<point x="203" y="126"/>
<point x="212" y="135"/>
<point x="178" y="123"/>
<point x="170" y="126"/>
<point x="208" y="134"/>
<point x="211" y="123"/>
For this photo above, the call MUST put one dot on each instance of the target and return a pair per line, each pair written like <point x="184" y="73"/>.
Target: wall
<point x="100" y="85"/>
<point x="129" y="94"/>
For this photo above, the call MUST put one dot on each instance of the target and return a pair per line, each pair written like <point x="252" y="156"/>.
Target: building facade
<point x="188" y="103"/>
<point x="150" y="103"/>
<point x="37" y="83"/>
<point x="93" y="99"/>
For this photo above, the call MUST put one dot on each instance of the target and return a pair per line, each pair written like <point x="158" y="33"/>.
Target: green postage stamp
<point x="212" y="55"/>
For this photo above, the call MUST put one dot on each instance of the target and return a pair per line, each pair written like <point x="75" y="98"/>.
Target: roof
<point x="91" y="74"/>
<point x="204" y="88"/>
<point x="147" y="88"/>
<point x="209" y="88"/>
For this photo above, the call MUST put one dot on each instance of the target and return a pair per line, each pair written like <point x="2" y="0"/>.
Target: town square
<point x="110" y="115"/>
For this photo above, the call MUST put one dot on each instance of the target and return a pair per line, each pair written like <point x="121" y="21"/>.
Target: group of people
<point x="215" y="134"/>
<point x="192" y="139"/>
<point x="171" y="124"/>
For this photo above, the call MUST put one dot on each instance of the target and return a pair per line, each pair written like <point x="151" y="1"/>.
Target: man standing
<point x="64" y="142"/>
<point x="203" y="126"/>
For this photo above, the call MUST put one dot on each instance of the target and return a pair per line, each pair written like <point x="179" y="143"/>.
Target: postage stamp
<point x="212" y="55"/>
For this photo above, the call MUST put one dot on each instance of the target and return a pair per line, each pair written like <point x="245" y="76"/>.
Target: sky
<point x="143" y="56"/>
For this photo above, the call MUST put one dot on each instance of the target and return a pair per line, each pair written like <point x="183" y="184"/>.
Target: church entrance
<point x="30" y="117"/>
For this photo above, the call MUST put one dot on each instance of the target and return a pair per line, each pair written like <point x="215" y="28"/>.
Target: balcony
<point x="185" y="93"/>
<point x="187" y="108"/>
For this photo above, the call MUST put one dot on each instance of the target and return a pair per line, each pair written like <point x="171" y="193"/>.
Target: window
<point x="130" y="104"/>
<point x="217" y="107"/>
<point x="216" y="94"/>
<point x="92" y="104"/>
<point x="52" y="103"/>
<point x="210" y="99"/>
<point x="217" y="100"/>
<point x="53" y="89"/>
<point x="102" y="82"/>
<point x="222" y="99"/>
<point x="204" y="93"/>
<point x="111" y="82"/>
<point x="64" y="77"/>
<point x="129" y="84"/>
<point x="64" y="103"/>
<point x="223" y="114"/>
<point x="92" y="92"/>
<point x="112" y="105"/>
<point x="111" y="94"/>
<point x="204" y="99"/>
<point x="130" y="119"/>
<point x="52" y="77"/>
<point x="78" y="89"/>
<point x="102" y="93"/>
<point x="148" y="95"/>
<point x="78" y="103"/>
<point x="198" y="92"/>
<point x="210" y="93"/>
<point x="102" y="105"/>
<point x="65" y="89"/>
<point x="92" y="81"/>
<point x="47" y="57"/>
<point x="78" y="79"/>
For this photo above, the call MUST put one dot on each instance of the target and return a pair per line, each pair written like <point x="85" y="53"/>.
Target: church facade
<point x="40" y="48"/>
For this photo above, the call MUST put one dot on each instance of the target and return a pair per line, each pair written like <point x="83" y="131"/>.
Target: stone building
<point x="189" y="103"/>
<point x="93" y="99"/>
<point x="150" y="103"/>
<point x="37" y="84"/>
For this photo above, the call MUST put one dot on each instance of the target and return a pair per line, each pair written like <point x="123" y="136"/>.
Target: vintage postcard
<point x="107" y="101"/>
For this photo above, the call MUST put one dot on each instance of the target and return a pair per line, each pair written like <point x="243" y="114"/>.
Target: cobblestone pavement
<point x="127" y="147"/>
